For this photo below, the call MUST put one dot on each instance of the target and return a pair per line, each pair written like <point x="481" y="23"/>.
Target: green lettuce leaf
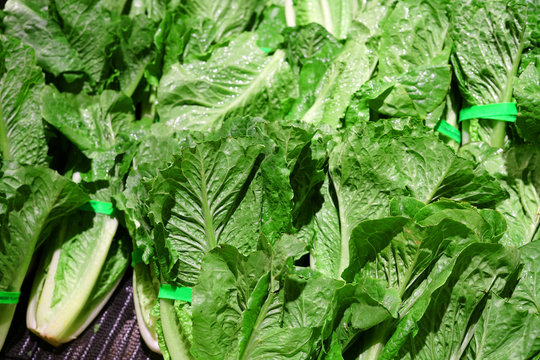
<point x="504" y="332"/>
<point x="153" y="9"/>
<point x="415" y="34"/>
<point x="283" y="145"/>
<point x="213" y="22"/>
<point x="411" y="94"/>
<point x="527" y="94"/>
<point x="510" y="327"/>
<point x="269" y="31"/>
<point x="380" y="161"/>
<point x="413" y="77"/>
<point x="68" y="36"/>
<point x="310" y="44"/>
<point x="406" y="255"/>
<point x="326" y="101"/>
<point x="54" y="52"/>
<point x="237" y="180"/>
<point x="192" y="201"/>
<point x="250" y="310"/>
<point x="169" y="41"/>
<point x="78" y="42"/>
<point x="153" y="153"/>
<point x="527" y="291"/>
<point x="99" y="126"/>
<point x="135" y="51"/>
<point x="478" y="270"/>
<point x="237" y="80"/>
<point x="22" y="132"/>
<point x="369" y="18"/>
<point x="517" y="171"/>
<point x="265" y="304"/>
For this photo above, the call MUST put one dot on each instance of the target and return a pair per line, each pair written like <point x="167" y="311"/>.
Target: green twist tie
<point x="136" y="257"/>
<point x="175" y="293"/>
<point x="98" y="207"/>
<point x="265" y="49"/>
<point x="501" y="111"/>
<point x="448" y="130"/>
<point x="7" y="297"/>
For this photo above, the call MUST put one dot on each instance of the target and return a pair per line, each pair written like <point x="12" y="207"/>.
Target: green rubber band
<point x="98" y="207"/>
<point x="501" y="111"/>
<point x="136" y="257"/>
<point x="7" y="297"/>
<point x="175" y="293"/>
<point x="266" y="50"/>
<point x="448" y="130"/>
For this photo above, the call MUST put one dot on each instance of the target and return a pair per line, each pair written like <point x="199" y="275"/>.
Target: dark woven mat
<point x="113" y="335"/>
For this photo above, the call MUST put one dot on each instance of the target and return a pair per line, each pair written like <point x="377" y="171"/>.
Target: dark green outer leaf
<point x="415" y="34"/>
<point x="310" y="43"/>
<point x="269" y="309"/>
<point x="527" y="293"/>
<point x="405" y="206"/>
<point x="153" y="153"/>
<point x="22" y="132"/>
<point x="527" y="93"/>
<point x="343" y="77"/>
<point x="69" y="36"/>
<point x="418" y="93"/>
<point x="192" y="202"/>
<point x="510" y="328"/>
<point x="169" y="42"/>
<point x="505" y="332"/>
<point x="237" y="280"/>
<point x="326" y="252"/>
<point x="380" y="161"/>
<point x="135" y="52"/>
<point x="308" y="301"/>
<point x="413" y="77"/>
<point x="212" y="22"/>
<point x="53" y="49"/>
<point x="249" y="319"/>
<point x="517" y="171"/>
<point x="91" y="31"/>
<point x="282" y="147"/>
<point x="368" y="240"/>
<point x="237" y="80"/>
<point x="522" y="209"/>
<point x="91" y="123"/>
<point x="307" y="180"/>
<point x="401" y="254"/>
<point x="269" y="31"/>
<point x="488" y="225"/>
<point x="443" y="331"/>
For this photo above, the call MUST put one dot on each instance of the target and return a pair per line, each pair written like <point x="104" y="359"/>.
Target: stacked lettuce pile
<point x="291" y="178"/>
